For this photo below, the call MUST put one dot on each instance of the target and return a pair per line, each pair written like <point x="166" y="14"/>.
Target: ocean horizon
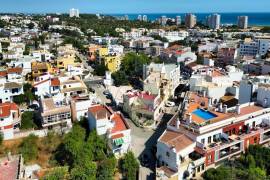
<point x="254" y="19"/>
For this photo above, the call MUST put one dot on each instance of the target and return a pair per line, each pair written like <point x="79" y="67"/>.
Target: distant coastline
<point x="255" y="19"/>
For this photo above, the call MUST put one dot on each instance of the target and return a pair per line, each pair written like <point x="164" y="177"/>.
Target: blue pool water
<point x="204" y="114"/>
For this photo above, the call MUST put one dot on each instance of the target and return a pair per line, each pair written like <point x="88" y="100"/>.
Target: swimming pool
<point x="206" y="115"/>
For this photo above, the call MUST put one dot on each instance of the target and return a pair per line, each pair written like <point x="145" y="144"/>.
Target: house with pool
<point x="203" y="134"/>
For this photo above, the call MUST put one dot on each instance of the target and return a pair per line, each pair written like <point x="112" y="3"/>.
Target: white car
<point x="170" y="104"/>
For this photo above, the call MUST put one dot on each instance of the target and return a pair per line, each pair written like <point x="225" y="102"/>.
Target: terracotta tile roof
<point x="119" y="123"/>
<point x="175" y="140"/>
<point x="11" y="85"/>
<point x="168" y="172"/>
<point x="100" y="111"/>
<point x="55" y="82"/>
<point x="17" y="70"/>
<point x="116" y="136"/>
<point x="5" y="109"/>
<point x="217" y="73"/>
<point x="3" y="73"/>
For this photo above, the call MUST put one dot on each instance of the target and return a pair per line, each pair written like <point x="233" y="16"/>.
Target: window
<point x="198" y="169"/>
<point x="202" y="141"/>
<point x="202" y="167"/>
<point x="255" y="140"/>
<point x="209" y="158"/>
<point x="209" y="139"/>
<point x="167" y="154"/>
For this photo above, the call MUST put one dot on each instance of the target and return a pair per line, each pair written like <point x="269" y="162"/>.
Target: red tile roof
<point x="55" y="82"/>
<point x="101" y="112"/>
<point x="116" y="136"/>
<point x="15" y="70"/>
<point x="5" y="109"/>
<point x="3" y="73"/>
<point x="176" y="140"/>
<point x="119" y="123"/>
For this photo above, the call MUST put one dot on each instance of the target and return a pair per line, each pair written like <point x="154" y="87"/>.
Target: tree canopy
<point x="86" y="155"/>
<point x="29" y="148"/>
<point x="254" y="164"/>
<point x="129" y="166"/>
<point x="27" y="120"/>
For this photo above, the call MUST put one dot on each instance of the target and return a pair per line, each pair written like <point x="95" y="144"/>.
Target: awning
<point x="118" y="141"/>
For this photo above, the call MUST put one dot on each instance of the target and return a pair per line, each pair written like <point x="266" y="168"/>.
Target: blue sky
<point x="134" y="6"/>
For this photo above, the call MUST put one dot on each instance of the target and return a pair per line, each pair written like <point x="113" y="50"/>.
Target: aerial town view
<point x="134" y="90"/>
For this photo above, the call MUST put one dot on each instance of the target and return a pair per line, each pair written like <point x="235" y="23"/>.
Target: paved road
<point x="99" y="89"/>
<point x="85" y="62"/>
<point x="144" y="142"/>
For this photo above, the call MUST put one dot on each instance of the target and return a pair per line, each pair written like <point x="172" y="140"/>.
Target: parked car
<point x="106" y="92"/>
<point x="170" y="104"/>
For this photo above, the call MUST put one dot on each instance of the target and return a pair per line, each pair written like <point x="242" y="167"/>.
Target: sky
<point x="134" y="6"/>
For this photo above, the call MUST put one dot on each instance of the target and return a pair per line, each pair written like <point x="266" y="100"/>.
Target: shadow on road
<point x="149" y="153"/>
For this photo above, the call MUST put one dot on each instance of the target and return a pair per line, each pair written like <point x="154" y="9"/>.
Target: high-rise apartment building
<point x="139" y="17"/>
<point x="213" y="21"/>
<point x="74" y="13"/>
<point x="178" y="20"/>
<point x="144" y="18"/>
<point x="190" y="20"/>
<point x="242" y="22"/>
<point x="163" y="20"/>
<point x="126" y="17"/>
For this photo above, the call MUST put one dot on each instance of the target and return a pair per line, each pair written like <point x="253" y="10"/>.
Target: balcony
<point x="224" y="153"/>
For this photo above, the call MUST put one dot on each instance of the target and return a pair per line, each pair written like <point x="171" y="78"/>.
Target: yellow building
<point x="113" y="62"/>
<point x="40" y="68"/>
<point x="103" y="51"/>
<point x="64" y="61"/>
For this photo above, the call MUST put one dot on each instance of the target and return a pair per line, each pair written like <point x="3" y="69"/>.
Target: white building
<point x="10" y="89"/>
<point x="248" y="48"/>
<point x="163" y="20"/>
<point x="175" y="35"/>
<point x="249" y="88"/>
<point x="213" y="82"/>
<point x="111" y="124"/>
<point x="171" y="72"/>
<point x="74" y="13"/>
<point x="55" y="113"/>
<point x="80" y="105"/>
<point x="9" y="118"/>
<point x="190" y="20"/>
<point x="213" y="21"/>
<point x="178" y="20"/>
<point x="242" y="22"/>
<point x="144" y="18"/>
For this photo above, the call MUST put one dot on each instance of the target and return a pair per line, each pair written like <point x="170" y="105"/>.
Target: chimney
<point x="209" y="102"/>
<point x="220" y="107"/>
<point x="265" y="102"/>
<point x="9" y="156"/>
<point x="204" y="93"/>
<point x="238" y="109"/>
<point x="225" y="108"/>
<point x="189" y="118"/>
<point x="178" y="123"/>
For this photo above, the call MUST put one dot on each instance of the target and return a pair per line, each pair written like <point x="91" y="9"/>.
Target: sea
<point x="254" y="19"/>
